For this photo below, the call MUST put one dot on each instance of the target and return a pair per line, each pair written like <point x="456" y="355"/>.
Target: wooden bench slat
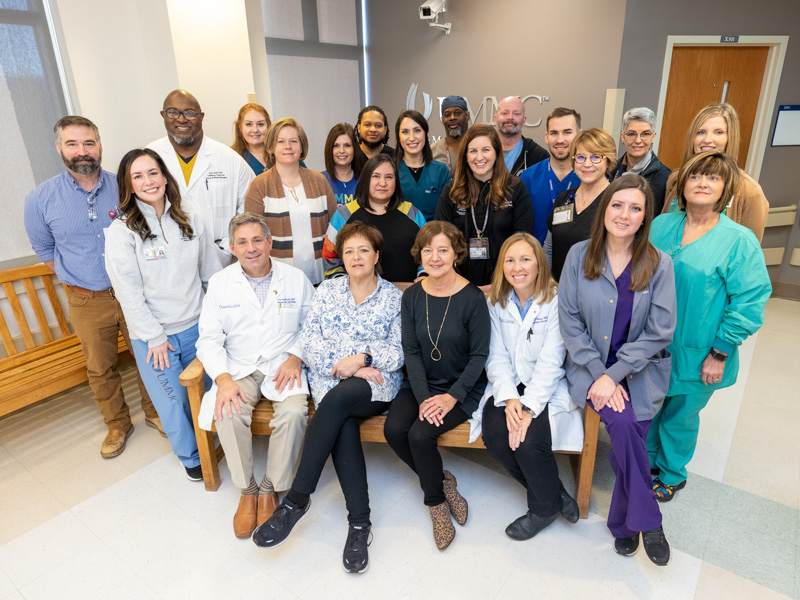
<point x="19" y="315"/>
<point x="5" y="334"/>
<point x="50" y="289"/>
<point x="33" y="298"/>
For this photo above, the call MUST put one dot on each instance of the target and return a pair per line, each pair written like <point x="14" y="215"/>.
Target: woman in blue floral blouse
<point x="351" y="345"/>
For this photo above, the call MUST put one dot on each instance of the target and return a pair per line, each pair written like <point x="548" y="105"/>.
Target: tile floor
<point x="75" y="526"/>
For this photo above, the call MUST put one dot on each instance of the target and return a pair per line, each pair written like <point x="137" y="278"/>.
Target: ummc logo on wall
<point x="487" y="107"/>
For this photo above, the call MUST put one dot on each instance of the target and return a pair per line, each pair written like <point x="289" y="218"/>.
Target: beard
<point x="182" y="141"/>
<point x="456" y="132"/>
<point x="509" y="128"/>
<point x="369" y="144"/>
<point x="82" y="165"/>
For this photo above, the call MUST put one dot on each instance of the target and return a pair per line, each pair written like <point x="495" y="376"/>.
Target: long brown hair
<point x="362" y="188"/>
<point x="419" y="119"/>
<point x="466" y="188"/>
<point x="239" y="144"/>
<point x="134" y="218"/>
<point x="333" y="135"/>
<point x="644" y="257"/>
<point x="545" y="288"/>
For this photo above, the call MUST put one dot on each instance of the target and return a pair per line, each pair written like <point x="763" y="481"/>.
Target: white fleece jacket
<point x="159" y="296"/>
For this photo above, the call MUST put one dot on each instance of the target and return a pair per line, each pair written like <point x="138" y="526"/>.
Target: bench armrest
<point x="193" y="373"/>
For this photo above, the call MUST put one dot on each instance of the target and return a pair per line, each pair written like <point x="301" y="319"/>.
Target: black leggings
<point x="532" y="464"/>
<point x="414" y="441"/>
<point x="334" y="430"/>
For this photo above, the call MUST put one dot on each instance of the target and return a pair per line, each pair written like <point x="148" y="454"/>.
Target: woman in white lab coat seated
<point x="526" y="411"/>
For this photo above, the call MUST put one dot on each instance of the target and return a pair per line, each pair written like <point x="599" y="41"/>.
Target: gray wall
<point x="497" y="48"/>
<point x="647" y="25"/>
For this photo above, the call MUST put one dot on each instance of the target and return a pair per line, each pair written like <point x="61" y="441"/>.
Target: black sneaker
<point x="627" y="546"/>
<point x="656" y="546"/>
<point x="274" y="531"/>
<point x="355" y="558"/>
<point x="194" y="473"/>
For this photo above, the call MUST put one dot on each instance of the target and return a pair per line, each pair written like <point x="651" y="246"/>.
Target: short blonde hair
<point x="272" y="138"/>
<point x="596" y="141"/>
<point x="545" y="288"/>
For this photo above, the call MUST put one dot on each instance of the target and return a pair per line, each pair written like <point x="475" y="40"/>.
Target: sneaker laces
<point x="655" y="536"/>
<point x="358" y="536"/>
<point x="280" y="518"/>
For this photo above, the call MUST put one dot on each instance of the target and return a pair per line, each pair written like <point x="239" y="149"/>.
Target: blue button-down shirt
<point x="59" y="228"/>
<point x="523" y="310"/>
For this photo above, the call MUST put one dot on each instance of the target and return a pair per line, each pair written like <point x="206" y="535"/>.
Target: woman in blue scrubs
<point x="722" y="286"/>
<point x="421" y="178"/>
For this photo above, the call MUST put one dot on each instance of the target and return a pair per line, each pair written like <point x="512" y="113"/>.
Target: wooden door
<point x="701" y="75"/>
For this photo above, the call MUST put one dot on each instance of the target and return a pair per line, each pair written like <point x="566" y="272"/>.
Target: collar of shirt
<point x="522" y="310"/>
<point x="513" y="155"/>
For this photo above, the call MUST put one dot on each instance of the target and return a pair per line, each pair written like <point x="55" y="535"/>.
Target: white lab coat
<point x="531" y="351"/>
<point x="216" y="190"/>
<point x="238" y="336"/>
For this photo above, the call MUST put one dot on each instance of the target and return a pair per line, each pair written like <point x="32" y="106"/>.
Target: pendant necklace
<point x="435" y="352"/>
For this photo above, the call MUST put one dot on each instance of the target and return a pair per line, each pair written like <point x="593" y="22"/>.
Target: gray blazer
<point x="586" y="314"/>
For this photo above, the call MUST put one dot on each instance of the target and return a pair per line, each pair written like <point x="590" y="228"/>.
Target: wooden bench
<point x="372" y="431"/>
<point x="44" y="364"/>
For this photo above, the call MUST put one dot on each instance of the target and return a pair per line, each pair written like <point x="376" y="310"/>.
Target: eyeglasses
<point x="595" y="158"/>
<point x="92" y="208"/>
<point x="632" y="135"/>
<point x="174" y="113"/>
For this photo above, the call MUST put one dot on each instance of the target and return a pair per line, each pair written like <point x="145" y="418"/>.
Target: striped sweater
<point x="266" y="197"/>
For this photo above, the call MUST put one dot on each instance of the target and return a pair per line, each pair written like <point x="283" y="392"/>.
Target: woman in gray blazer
<point x="617" y="316"/>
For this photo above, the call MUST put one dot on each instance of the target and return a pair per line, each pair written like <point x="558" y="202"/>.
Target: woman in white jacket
<point x="526" y="410"/>
<point x="157" y="257"/>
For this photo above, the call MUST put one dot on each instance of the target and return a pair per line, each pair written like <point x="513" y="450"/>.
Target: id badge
<point x="479" y="248"/>
<point x="154" y="253"/>
<point x="563" y="214"/>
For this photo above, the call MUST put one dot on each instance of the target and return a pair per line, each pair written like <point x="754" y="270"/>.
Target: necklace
<point x="436" y="350"/>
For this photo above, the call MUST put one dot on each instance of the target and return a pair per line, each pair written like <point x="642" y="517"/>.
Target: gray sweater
<point x="586" y="314"/>
<point x="159" y="296"/>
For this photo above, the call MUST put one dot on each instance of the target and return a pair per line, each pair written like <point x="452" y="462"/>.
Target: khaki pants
<point x="285" y="443"/>
<point x="97" y="322"/>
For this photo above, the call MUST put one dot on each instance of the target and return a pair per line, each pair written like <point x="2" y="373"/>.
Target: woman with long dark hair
<point x="421" y="178"/>
<point x="485" y="202"/>
<point x="158" y="257"/>
<point x="616" y="307"/>
<point x="342" y="163"/>
<point x="379" y="203"/>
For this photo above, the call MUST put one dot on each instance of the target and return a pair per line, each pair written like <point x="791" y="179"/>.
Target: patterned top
<point x="336" y="328"/>
<point x="260" y="285"/>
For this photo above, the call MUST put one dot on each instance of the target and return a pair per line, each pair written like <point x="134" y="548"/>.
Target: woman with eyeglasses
<point x="716" y="127"/>
<point x="638" y="134"/>
<point x="594" y="156"/>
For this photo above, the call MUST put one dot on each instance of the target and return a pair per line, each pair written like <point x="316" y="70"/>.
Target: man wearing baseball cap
<point x="455" y="119"/>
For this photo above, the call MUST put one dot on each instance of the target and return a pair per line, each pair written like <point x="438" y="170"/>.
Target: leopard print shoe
<point x="443" y="530"/>
<point x="455" y="501"/>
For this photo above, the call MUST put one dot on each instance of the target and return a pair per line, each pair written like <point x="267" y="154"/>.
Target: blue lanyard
<point x="552" y="187"/>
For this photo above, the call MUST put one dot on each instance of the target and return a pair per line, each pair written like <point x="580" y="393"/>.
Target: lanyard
<point x="552" y="187"/>
<point x="485" y="219"/>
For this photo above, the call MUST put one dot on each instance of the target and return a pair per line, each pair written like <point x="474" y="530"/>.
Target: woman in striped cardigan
<point x="297" y="202"/>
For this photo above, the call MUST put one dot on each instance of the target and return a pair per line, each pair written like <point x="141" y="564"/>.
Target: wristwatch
<point x="717" y="355"/>
<point x="367" y="359"/>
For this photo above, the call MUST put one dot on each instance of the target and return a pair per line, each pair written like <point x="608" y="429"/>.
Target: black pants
<point x="334" y="430"/>
<point x="414" y="441"/>
<point x="532" y="464"/>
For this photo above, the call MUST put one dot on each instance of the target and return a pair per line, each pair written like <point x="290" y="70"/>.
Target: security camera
<point x="430" y="9"/>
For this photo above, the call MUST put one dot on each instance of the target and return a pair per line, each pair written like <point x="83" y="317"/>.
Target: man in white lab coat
<point x="250" y="346"/>
<point x="213" y="179"/>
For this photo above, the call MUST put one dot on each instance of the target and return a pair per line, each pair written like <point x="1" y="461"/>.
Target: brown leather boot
<point x="457" y="503"/>
<point x="267" y="503"/>
<point x="114" y="443"/>
<point x="443" y="530"/>
<point x="244" y="521"/>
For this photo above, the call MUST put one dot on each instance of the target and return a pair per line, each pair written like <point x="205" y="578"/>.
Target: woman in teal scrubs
<point x="722" y="286"/>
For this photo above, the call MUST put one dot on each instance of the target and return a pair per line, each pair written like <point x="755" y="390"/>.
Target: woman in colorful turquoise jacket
<point x="722" y="286"/>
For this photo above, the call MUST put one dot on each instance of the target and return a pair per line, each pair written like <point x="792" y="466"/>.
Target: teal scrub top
<point x="424" y="194"/>
<point x="722" y="286"/>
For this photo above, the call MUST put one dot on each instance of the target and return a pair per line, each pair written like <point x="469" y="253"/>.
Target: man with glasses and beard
<point x="213" y="179"/>
<point x="455" y="119"/>
<point x="65" y="218"/>
<point x="519" y="152"/>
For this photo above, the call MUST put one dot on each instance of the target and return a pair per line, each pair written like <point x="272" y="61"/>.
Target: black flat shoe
<point x="528" y="525"/>
<point x="569" y="507"/>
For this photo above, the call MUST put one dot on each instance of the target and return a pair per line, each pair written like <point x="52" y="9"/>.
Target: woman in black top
<point x="446" y="329"/>
<point x="484" y="202"/>
<point x="379" y="203"/>
<point x="594" y="156"/>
